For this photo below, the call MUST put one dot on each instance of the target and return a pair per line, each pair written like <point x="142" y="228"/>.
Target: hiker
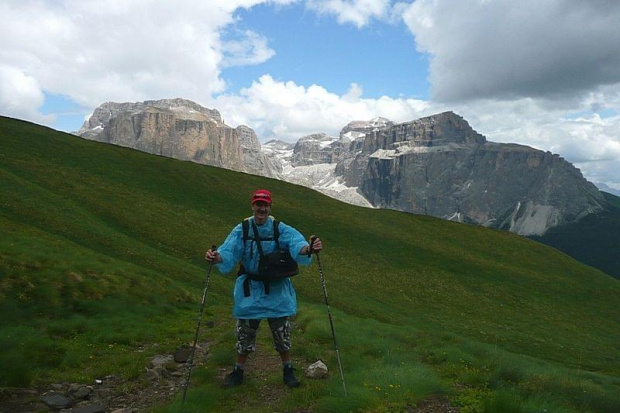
<point x="256" y="296"/>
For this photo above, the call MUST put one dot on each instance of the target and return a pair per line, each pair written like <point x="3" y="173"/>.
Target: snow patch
<point x="457" y="217"/>
<point x="353" y="135"/>
<point x="327" y="143"/>
<point x="321" y="177"/>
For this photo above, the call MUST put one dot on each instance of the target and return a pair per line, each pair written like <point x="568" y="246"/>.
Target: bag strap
<point x="257" y="239"/>
<point x="276" y="234"/>
<point x="245" y="224"/>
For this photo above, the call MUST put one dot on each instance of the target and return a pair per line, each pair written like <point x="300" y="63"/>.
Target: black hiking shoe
<point x="234" y="379"/>
<point x="289" y="377"/>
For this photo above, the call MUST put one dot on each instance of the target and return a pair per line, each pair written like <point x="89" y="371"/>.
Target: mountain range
<point x="437" y="165"/>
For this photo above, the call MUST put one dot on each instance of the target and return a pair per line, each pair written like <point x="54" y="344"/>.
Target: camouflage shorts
<point x="246" y="334"/>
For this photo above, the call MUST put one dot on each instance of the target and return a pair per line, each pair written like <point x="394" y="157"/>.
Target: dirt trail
<point x="163" y="381"/>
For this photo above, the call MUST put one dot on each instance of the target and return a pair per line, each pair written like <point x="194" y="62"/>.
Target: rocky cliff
<point x="313" y="149"/>
<point x="180" y="129"/>
<point x="436" y="165"/>
<point x="440" y="166"/>
<point x="254" y="160"/>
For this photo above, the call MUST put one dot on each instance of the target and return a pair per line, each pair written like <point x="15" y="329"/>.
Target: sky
<point x="540" y="73"/>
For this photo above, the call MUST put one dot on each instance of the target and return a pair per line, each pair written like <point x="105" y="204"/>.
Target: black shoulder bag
<point x="275" y="265"/>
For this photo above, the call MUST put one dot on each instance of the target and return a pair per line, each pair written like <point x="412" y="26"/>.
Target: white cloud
<point x="356" y="12"/>
<point x="520" y="71"/>
<point x="590" y="141"/>
<point x="250" y="49"/>
<point x="287" y="111"/>
<point x="511" y="49"/>
<point x="353" y="94"/>
<point x="94" y="52"/>
<point x="14" y="82"/>
<point x="593" y="144"/>
<point x="529" y="72"/>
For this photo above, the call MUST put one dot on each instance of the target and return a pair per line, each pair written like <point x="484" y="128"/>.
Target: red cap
<point x="261" y="195"/>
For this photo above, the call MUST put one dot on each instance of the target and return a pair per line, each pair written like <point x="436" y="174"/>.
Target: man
<point x="274" y="300"/>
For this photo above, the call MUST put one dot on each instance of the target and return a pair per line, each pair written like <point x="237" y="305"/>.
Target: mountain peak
<point x="181" y="108"/>
<point x="359" y="128"/>
<point x="442" y="128"/>
<point x="181" y="129"/>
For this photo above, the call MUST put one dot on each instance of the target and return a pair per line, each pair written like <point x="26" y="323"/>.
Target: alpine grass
<point x="102" y="267"/>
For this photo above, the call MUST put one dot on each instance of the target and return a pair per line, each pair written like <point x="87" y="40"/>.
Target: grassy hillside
<point x="594" y="240"/>
<point x="612" y="199"/>
<point x="101" y="257"/>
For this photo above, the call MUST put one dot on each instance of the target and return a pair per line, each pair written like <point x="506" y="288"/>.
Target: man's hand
<point x="316" y="244"/>
<point x="213" y="256"/>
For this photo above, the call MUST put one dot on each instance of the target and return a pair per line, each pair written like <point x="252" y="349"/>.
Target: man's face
<point x="261" y="211"/>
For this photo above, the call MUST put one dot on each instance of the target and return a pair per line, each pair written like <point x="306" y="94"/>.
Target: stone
<point x="161" y="360"/>
<point x="164" y="372"/>
<point x="183" y="354"/>
<point x="317" y="370"/>
<point x="92" y="408"/>
<point x="153" y="374"/>
<point x="80" y="392"/>
<point x="56" y="401"/>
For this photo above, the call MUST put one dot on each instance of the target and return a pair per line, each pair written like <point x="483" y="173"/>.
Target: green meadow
<point x="102" y="266"/>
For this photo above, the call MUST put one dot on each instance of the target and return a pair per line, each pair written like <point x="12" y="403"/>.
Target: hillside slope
<point x="103" y="247"/>
<point x="594" y="240"/>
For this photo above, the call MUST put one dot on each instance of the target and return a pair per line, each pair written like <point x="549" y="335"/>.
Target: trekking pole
<point x="202" y="307"/>
<point x="329" y="312"/>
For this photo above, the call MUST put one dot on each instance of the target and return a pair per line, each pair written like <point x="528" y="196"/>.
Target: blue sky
<point x="68" y="115"/>
<point x="312" y="49"/>
<point x="543" y="74"/>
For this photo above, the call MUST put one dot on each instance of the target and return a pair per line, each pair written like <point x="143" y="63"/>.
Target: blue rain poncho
<point x="282" y="299"/>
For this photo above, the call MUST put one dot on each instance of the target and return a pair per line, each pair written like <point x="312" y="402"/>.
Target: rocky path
<point x="161" y="381"/>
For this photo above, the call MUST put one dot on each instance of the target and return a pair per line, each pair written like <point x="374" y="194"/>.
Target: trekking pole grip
<point x="310" y="250"/>
<point x="213" y="248"/>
